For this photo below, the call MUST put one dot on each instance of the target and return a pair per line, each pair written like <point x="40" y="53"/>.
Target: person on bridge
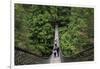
<point x="58" y="51"/>
<point x="54" y="52"/>
<point x="57" y="48"/>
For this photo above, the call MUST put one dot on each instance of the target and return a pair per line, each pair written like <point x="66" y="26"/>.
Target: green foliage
<point x="76" y="37"/>
<point x="34" y="28"/>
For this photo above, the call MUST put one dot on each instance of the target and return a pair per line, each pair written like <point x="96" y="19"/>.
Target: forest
<point x="35" y="29"/>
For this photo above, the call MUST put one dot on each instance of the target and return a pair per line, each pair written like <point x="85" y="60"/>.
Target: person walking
<point x="58" y="51"/>
<point x="54" y="52"/>
<point x="57" y="48"/>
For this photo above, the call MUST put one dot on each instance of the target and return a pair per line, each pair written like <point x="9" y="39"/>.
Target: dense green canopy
<point x="34" y="28"/>
<point x="78" y="35"/>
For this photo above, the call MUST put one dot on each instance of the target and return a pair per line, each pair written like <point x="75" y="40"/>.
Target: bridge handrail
<point x="31" y="53"/>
